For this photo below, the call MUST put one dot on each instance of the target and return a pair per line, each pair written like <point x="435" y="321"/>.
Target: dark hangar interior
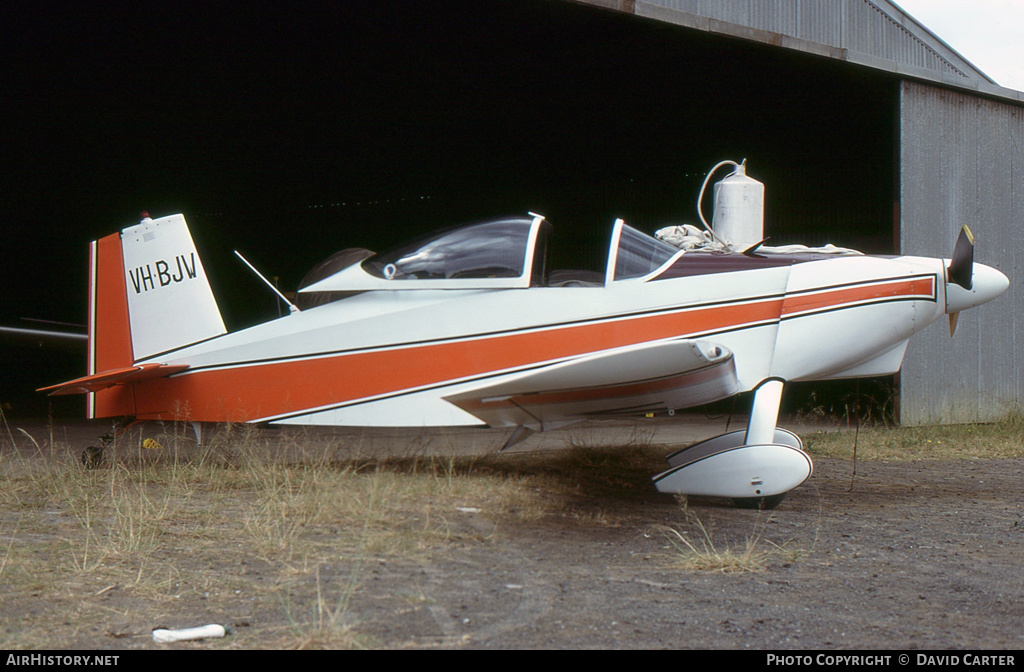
<point x="289" y="133"/>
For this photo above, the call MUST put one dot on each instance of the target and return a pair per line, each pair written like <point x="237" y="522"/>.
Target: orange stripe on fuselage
<point x="833" y="298"/>
<point x="260" y="391"/>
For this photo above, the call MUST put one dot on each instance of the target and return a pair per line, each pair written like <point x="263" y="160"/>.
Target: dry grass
<point x="696" y="549"/>
<point x="1001" y="439"/>
<point x="243" y="519"/>
<point x="254" y="525"/>
<point x="328" y="626"/>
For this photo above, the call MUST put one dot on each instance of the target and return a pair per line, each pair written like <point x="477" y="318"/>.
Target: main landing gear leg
<point x="755" y="467"/>
<point x="765" y="413"/>
<point x="764" y="416"/>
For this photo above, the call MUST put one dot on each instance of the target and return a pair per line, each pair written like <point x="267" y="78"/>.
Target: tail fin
<point x="148" y="294"/>
<point x="170" y="303"/>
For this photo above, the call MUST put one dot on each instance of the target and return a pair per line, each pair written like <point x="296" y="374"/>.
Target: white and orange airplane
<point x="469" y="327"/>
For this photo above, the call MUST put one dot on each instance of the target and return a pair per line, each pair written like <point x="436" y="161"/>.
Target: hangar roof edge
<point x="877" y="34"/>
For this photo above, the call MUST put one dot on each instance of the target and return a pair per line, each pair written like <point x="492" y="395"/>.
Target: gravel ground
<point x="920" y="555"/>
<point x="917" y="555"/>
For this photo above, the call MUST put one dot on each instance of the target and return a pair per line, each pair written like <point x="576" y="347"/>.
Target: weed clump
<point x="696" y="549"/>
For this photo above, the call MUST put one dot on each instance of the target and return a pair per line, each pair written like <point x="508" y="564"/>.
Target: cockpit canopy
<point x="633" y="254"/>
<point x="495" y="254"/>
<point x="494" y="249"/>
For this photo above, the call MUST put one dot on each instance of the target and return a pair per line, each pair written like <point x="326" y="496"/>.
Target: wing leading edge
<point x="650" y="377"/>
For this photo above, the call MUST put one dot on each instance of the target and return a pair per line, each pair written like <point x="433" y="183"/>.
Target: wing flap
<point x="105" y="379"/>
<point x="650" y="377"/>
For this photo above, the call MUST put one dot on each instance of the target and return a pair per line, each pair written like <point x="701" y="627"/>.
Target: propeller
<point x="961" y="268"/>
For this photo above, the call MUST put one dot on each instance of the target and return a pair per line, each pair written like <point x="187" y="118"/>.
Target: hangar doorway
<point x="586" y="115"/>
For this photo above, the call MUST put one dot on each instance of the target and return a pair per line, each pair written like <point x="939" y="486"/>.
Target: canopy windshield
<point x="492" y="249"/>
<point x="635" y="254"/>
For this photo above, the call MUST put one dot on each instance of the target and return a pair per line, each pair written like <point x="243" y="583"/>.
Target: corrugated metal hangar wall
<point x="962" y="162"/>
<point x="959" y="159"/>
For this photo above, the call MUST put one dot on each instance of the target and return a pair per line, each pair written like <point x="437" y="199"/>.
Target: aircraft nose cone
<point x="988" y="283"/>
<point x="993" y="282"/>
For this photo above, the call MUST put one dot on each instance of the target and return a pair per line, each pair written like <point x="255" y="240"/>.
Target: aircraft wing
<point x="64" y="340"/>
<point x="105" y="379"/>
<point x="637" y="379"/>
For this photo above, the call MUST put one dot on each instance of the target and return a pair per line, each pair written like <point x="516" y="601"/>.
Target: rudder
<point x="110" y="339"/>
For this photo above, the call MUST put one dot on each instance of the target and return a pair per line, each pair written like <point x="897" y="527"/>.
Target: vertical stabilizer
<point x="148" y="294"/>
<point x="170" y="303"/>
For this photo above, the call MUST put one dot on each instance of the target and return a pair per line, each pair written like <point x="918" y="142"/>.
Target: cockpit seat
<point x="575" y="279"/>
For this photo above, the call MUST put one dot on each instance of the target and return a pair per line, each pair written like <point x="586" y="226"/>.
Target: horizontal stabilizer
<point x="101" y="381"/>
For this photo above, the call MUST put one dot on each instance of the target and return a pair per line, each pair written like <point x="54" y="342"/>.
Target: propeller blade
<point x="953" y="317"/>
<point x="961" y="267"/>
